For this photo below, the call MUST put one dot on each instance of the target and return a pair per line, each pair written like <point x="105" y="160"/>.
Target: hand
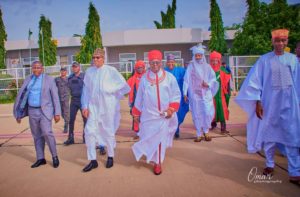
<point x="259" y="110"/>
<point x="170" y="112"/>
<point x="57" y="118"/>
<point x="186" y="99"/>
<point x="205" y="85"/>
<point x="18" y="120"/>
<point x="136" y="119"/>
<point x="85" y="113"/>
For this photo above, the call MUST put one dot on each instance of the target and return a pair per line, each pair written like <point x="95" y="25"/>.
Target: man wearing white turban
<point x="199" y="87"/>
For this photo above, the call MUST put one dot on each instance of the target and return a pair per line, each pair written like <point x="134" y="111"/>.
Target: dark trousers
<point x="74" y="107"/>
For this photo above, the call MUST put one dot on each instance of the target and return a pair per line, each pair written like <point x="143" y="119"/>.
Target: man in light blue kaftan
<point x="269" y="96"/>
<point x="178" y="72"/>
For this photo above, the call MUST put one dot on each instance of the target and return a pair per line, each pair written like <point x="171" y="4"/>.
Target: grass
<point x="6" y="98"/>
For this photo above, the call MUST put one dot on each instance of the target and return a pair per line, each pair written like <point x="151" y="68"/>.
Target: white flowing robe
<point x="272" y="80"/>
<point x="200" y="99"/>
<point x="155" y="129"/>
<point x="102" y="91"/>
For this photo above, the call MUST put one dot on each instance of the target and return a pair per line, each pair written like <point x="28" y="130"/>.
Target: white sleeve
<point x="85" y="96"/>
<point x="186" y="81"/>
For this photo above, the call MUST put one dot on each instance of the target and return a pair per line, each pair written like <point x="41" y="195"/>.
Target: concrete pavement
<point x="220" y="167"/>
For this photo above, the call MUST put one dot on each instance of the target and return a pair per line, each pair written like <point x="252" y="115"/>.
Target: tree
<point x="167" y="19"/>
<point x="217" y="41"/>
<point x="47" y="47"/>
<point x="253" y="38"/>
<point x="3" y="38"/>
<point x="234" y="26"/>
<point x="92" y="38"/>
<point x="281" y="15"/>
<point x="294" y="35"/>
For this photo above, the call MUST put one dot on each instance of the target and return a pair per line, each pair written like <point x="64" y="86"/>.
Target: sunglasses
<point x="97" y="57"/>
<point x="155" y="62"/>
<point x="36" y="68"/>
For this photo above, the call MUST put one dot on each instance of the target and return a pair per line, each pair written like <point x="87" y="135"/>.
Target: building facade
<point x="123" y="46"/>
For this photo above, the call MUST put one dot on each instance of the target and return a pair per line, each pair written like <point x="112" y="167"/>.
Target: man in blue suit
<point x="38" y="99"/>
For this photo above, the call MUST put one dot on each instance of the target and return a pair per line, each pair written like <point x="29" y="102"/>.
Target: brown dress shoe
<point x="268" y="171"/>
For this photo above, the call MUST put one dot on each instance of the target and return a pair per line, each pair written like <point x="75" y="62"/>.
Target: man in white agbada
<point x="199" y="87"/>
<point x="103" y="88"/>
<point x="269" y="96"/>
<point x="157" y="99"/>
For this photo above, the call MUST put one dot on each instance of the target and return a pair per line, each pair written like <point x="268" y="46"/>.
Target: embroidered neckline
<point x="160" y="79"/>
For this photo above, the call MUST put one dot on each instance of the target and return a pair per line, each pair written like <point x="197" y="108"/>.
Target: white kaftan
<point x="103" y="88"/>
<point x="200" y="99"/>
<point x="155" y="129"/>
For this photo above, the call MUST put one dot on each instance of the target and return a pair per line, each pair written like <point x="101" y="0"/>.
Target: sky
<point x="70" y="17"/>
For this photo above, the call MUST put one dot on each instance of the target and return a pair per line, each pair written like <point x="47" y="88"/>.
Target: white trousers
<point x="292" y="154"/>
<point x="98" y="134"/>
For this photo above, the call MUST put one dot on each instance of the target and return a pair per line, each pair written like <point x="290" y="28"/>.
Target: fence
<point x="12" y="79"/>
<point x="240" y="66"/>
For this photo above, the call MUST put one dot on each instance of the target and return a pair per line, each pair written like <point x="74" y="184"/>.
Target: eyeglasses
<point x="36" y="68"/>
<point x="97" y="57"/>
<point x="155" y="62"/>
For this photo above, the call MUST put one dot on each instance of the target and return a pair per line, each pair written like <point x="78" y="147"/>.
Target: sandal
<point x="207" y="137"/>
<point x="198" y="139"/>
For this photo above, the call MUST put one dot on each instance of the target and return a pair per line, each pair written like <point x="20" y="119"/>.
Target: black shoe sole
<point x="38" y="165"/>
<point x="89" y="169"/>
<point x="83" y="170"/>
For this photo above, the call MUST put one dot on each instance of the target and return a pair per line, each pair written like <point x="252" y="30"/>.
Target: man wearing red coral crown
<point x="157" y="100"/>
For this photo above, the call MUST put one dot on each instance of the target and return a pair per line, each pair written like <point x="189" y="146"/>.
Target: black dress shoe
<point x="93" y="164"/>
<point x="55" y="162"/>
<point x="38" y="163"/>
<point x="69" y="141"/>
<point x="110" y="162"/>
<point x="223" y="128"/>
<point x="213" y="125"/>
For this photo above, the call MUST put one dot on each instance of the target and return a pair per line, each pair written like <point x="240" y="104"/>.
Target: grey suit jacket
<point x="50" y="104"/>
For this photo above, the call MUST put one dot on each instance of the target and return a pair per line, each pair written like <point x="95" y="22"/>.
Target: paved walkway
<point x="217" y="168"/>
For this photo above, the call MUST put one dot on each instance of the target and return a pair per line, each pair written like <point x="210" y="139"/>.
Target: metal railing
<point x="240" y="66"/>
<point x="12" y="79"/>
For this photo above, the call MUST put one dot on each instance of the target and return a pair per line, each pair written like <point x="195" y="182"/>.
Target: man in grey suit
<point x="38" y="98"/>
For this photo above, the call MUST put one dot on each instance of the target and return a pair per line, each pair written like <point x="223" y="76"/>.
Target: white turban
<point x="198" y="49"/>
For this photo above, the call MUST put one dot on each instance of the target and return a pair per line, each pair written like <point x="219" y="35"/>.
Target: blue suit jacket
<point x="50" y="105"/>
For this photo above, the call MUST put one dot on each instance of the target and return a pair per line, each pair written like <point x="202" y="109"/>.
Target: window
<point x="146" y="56"/>
<point x="125" y="57"/>
<point x="177" y="54"/>
<point x="127" y="61"/>
<point x="27" y="61"/>
<point x="64" y="60"/>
